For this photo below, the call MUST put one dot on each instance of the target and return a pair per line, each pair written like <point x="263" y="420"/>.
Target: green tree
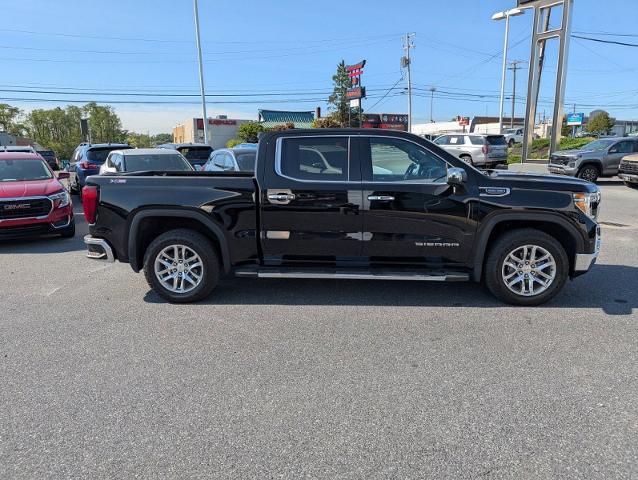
<point x="139" y="140"/>
<point x="600" y="123"/>
<point x="249" y="132"/>
<point x="56" y="128"/>
<point x="104" y="124"/>
<point x="10" y="120"/>
<point x="339" y="103"/>
<point x="160" y="138"/>
<point x="326" y="122"/>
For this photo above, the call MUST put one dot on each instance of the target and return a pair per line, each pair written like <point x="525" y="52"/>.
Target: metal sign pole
<point x="201" y="70"/>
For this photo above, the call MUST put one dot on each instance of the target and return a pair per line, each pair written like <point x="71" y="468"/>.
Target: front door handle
<point x="381" y="198"/>
<point x="281" y="198"/>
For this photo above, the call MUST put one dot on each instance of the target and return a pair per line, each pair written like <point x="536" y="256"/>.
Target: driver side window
<point x="396" y="160"/>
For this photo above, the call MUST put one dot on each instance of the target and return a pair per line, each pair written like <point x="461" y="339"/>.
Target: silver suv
<point x="476" y="149"/>
<point x="599" y="158"/>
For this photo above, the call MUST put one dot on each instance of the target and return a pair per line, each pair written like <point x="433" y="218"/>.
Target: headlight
<point x="60" y="199"/>
<point x="588" y="203"/>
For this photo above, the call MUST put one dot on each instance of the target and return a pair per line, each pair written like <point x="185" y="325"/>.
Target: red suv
<point x="32" y="200"/>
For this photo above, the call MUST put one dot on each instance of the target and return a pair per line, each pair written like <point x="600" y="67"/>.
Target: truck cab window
<point x="395" y="160"/>
<point x="316" y="158"/>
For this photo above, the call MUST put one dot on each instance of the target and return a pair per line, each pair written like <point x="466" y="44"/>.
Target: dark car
<point x="196" y="153"/>
<point x="87" y="160"/>
<point x="51" y="158"/>
<point x="348" y="204"/>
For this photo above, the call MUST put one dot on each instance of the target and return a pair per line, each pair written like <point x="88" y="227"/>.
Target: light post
<point x="505" y="15"/>
<point x="201" y="70"/>
<point x="432" y="90"/>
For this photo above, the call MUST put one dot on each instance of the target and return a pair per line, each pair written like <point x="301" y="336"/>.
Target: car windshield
<point x="157" y="162"/>
<point x="598" y="145"/>
<point x="47" y="153"/>
<point x="19" y="170"/>
<point x="246" y="161"/>
<point x="98" y="155"/>
<point x="196" y="154"/>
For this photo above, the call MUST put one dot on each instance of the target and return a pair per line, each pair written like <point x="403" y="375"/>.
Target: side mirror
<point x="456" y="176"/>
<point x="63" y="175"/>
<point x="613" y="150"/>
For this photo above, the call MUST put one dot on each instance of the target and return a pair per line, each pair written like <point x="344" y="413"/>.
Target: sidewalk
<point x="534" y="166"/>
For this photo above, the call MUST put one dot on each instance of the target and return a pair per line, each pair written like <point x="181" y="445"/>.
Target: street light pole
<point x="506" y="16"/>
<point x="201" y="70"/>
<point x="406" y="61"/>
<point x="432" y="90"/>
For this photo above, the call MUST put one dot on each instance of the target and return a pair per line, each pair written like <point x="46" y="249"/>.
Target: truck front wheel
<point x="526" y="267"/>
<point x="181" y="266"/>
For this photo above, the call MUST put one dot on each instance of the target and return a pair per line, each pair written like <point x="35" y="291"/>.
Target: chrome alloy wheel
<point x="529" y="270"/>
<point x="179" y="269"/>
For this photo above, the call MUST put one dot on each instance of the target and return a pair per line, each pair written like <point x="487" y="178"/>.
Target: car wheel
<point x="181" y="266"/>
<point x="69" y="231"/>
<point x="467" y="159"/>
<point x="526" y="267"/>
<point x="511" y="143"/>
<point x="589" y="173"/>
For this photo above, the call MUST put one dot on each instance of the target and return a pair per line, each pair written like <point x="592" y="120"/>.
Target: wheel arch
<point x="552" y="224"/>
<point x="148" y="224"/>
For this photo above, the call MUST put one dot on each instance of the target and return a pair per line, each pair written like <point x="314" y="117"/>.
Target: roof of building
<point x="272" y="118"/>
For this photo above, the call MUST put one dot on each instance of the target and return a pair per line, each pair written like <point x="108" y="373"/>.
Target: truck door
<point x="615" y="154"/>
<point x="311" y="201"/>
<point x="410" y="213"/>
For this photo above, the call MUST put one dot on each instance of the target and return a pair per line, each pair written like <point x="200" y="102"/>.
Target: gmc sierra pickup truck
<point x="347" y="204"/>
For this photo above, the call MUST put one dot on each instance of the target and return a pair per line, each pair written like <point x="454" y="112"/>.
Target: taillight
<point x="89" y="202"/>
<point x="88" y="166"/>
<point x="486" y="148"/>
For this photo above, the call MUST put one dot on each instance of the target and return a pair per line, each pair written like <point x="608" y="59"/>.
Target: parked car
<point x="87" y="160"/>
<point x="513" y="135"/>
<point x="17" y="148"/>
<point x="145" y="159"/>
<point x="479" y="150"/>
<point x="237" y="159"/>
<point x="599" y="158"/>
<point x="32" y="199"/>
<point x="51" y="158"/>
<point x="427" y="217"/>
<point x="628" y="170"/>
<point x="196" y="153"/>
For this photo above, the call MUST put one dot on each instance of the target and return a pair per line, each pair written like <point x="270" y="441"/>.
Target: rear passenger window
<point x="476" y="140"/>
<point x="315" y="158"/>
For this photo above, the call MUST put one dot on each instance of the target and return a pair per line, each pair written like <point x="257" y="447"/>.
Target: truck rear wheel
<point x="526" y="267"/>
<point x="181" y="266"/>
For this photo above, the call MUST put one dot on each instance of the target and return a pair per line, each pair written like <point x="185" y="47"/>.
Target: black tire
<point x="507" y="243"/>
<point x="511" y="143"/>
<point x="589" y="172"/>
<point x="202" y="246"/>
<point x="467" y="159"/>
<point x="68" y="232"/>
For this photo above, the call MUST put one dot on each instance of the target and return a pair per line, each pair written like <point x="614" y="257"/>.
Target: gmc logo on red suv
<point x="17" y="206"/>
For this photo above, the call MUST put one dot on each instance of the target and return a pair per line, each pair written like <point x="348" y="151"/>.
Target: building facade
<point x="220" y="130"/>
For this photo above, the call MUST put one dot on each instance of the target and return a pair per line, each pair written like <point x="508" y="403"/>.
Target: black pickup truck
<point x="347" y="204"/>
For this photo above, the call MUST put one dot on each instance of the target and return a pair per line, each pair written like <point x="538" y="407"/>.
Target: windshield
<point x="246" y="161"/>
<point x="98" y="155"/>
<point x="598" y="145"/>
<point x="157" y="162"/>
<point x="18" y="170"/>
<point x="196" y="154"/>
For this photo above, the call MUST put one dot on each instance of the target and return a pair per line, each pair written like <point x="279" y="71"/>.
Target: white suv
<point x="480" y="150"/>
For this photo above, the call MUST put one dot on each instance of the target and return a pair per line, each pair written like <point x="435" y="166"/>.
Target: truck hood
<point x="29" y="188"/>
<point x="534" y="181"/>
<point x="573" y="153"/>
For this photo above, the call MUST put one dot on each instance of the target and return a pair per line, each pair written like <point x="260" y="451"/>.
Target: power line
<point x="386" y="93"/>
<point x="612" y="42"/>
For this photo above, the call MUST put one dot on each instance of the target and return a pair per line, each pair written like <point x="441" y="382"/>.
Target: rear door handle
<point x="281" y="198"/>
<point x="381" y="198"/>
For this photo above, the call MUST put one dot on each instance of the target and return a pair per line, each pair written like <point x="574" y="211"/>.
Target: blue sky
<point x="289" y="50"/>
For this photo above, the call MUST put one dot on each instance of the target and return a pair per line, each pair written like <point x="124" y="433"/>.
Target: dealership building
<point x="220" y="130"/>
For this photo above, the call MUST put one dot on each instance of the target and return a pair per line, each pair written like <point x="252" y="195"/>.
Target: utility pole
<point x="405" y="63"/>
<point x="432" y="90"/>
<point x="514" y="66"/>
<point x="201" y="70"/>
<point x="574" y="126"/>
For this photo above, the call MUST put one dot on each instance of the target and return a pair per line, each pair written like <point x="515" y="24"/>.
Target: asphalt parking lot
<point x="289" y="379"/>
